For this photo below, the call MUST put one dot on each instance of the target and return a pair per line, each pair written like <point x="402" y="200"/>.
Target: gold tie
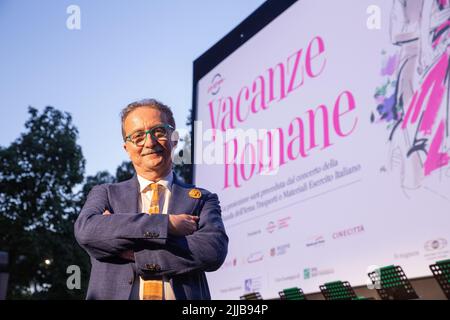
<point x="154" y="204"/>
<point x="153" y="289"/>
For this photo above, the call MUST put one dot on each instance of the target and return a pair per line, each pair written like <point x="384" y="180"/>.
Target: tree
<point x="183" y="160"/>
<point x="91" y="181"/>
<point x="37" y="208"/>
<point x="124" y="171"/>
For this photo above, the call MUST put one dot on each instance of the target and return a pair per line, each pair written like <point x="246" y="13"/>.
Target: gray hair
<point x="146" y="103"/>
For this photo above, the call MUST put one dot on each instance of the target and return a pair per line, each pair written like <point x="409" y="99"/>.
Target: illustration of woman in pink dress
<point x="417" y="111"/>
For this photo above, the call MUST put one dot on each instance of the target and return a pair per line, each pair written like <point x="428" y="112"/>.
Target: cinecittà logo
<point x="348" y="232"/>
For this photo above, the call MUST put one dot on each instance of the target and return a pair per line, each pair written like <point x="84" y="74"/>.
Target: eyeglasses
<point x="159" y="132"/>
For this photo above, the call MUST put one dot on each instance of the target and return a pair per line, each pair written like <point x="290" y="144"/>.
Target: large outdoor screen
<point x="326" y="136"/>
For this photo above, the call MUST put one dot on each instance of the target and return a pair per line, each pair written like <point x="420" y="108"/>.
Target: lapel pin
<point x="195" y="193"/>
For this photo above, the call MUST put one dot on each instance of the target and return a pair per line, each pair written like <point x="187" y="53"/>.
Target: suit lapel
<point x="180" y="201"/>
<point x="125" y="196"/>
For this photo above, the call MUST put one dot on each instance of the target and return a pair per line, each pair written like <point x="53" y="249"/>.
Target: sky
<point x="123" y="52"/>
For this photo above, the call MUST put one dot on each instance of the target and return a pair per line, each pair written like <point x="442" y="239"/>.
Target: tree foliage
<point x="38" y="173"/>
<point x="183" y="160"/>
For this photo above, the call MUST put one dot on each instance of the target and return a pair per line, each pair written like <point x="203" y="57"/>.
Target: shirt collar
<point x="165" y="181"/>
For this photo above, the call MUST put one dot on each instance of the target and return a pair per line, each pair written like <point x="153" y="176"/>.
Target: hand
<point x="106" y="212"/>
<point x="182" y="224"/>
<point x="127" y="255"/>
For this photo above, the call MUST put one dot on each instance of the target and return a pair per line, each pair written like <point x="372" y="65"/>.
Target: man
<point x="151" y="237"/>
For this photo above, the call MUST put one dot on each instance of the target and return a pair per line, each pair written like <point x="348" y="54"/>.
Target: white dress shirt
<point x="165" y="193"/>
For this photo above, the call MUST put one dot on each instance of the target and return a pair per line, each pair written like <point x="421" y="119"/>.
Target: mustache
<point x="151" y="151"/>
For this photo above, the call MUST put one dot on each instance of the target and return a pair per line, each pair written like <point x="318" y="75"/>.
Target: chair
<point x="441" y="272"/>
<point x="391" y="283"/>
<point x="292" y="294"/>
<point x="251" y="296"/>
<point x="338" y="290"/>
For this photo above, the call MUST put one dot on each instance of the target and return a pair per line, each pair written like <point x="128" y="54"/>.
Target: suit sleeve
<point x="204" y="250"/>
<point x="104" y="237"/>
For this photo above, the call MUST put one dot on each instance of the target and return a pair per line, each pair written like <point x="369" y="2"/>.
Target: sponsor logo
<point x="279" y="250"/>
<point x="288" y="277"/>
<point x="435" y="244"/>
<point x="231" y="289"/>
<point x="406" y="255"/>
<point x="309" y="273"/>
<point x="255" y="257"/>
<point x="271" y="226"/>
<point x="254" y="233"/>
<point x="436" y="249"/>
<point x="273" y="252"/>
<point x="279" y="224"/>
<point x="229" y="263"/>
<point x="252" y="284"/>
<point x="283" y="222"/>
<point x="348" y="232"/>
<point x="216" y="82"/>
<point x="315" y="241"/>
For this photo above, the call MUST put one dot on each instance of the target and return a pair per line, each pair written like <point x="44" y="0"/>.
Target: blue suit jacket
<point x="183" y="260"/>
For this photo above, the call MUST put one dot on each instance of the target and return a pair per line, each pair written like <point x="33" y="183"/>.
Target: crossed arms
<point x="162" y="244"/>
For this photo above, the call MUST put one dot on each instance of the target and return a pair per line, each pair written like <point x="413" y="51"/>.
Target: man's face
<point x="155" y="156"/>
